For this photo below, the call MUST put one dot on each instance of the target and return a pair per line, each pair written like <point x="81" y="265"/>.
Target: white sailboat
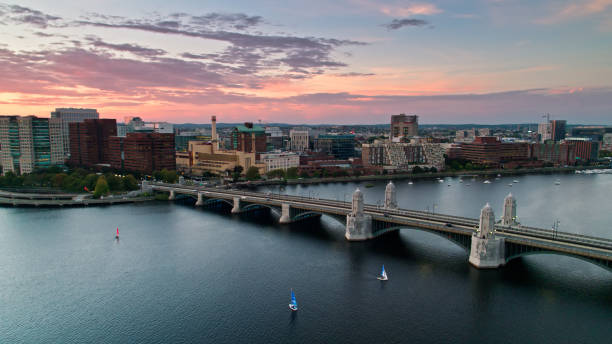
<point x="383" y="275"/>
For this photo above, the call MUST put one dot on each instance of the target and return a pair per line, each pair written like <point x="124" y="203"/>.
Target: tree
<point x="417" y="169"/>
<point x="279" y="173"/>
<point x="292" y="173"/>
<point x="114" y="182"/>
<point x="101" y="187"/>
<point x="169" y="176"/>
<point x="304" y="174"/>
<point x="252" y="173"/>
<point x="130" y="183"/>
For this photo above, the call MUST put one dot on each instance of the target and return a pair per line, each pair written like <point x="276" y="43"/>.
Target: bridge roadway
<point x="534" y="239"/>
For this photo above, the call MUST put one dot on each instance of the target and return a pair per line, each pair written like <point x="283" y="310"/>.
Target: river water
<point x="182" y="275"/>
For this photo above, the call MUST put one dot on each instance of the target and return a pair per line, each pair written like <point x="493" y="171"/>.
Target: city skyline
<point x="356" y="61"/>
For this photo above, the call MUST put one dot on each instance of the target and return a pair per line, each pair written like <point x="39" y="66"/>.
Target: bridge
<point x="489" y="243"/>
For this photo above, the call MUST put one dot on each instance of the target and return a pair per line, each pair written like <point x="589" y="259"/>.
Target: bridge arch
<point x="460" y="240"/>
<point x="607" y="265"/>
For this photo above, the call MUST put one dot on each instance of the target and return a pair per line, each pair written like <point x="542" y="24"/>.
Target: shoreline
<point x="59" y="203"/>
<point x="430" y="175"/>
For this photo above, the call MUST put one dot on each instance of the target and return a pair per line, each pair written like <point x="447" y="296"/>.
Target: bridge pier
<point x="172" y="196"/>
<point x="509" y="214"/>
<point x="145" y="187"/>
<point x="236" y="209"/>
<point x="390" y="196"/>
<point x="487" y="251"/>
<point x="200" y="201"/>
<point x="358" y="224"/>
<point x="285" y="214"/>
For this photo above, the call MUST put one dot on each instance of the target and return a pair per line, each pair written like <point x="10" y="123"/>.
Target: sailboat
<point x="117" y="236"/>
<point x="383" y="275"/>
<point x="293" y="303"/>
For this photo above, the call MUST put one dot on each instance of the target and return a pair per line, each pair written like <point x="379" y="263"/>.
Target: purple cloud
<point x="400" y="23"/>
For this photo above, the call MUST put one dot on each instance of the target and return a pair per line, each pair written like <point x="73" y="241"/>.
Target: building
<point x="595" y="133"/>
<point x="249" y="138"/>
<point x="25" y="144"/>
<point x="143" y="152"/>
<point x="586" y="149"/>
<point x="275" y="138"/>
<point x="403" y="156"/>
<point x="490" y="151"/>
<point x="203" y="157"/>
<point x="545" y="131"/>
<point x="340" y="146"/>
<point x="282" y="161"/>
<point x="557" y="153"/>
<point x="403" y="127"/>
<point x="181" y="141"/>
<point x="72" y="115"/>
<point x="299" y="139"/>
<point x="557" y="130"/>
<point x="89" y="141"/>
<point x="122" y="129"/>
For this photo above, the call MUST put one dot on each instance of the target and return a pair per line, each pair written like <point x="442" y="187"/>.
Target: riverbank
<point x="63" y="200"/>
<point x="398" y="176"/>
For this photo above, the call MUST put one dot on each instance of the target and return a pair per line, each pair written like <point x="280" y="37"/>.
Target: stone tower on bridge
<point x="358" y="224"/>
<point x="390" y="196"/>
<point x="509" y="214"/>
<point x="486" y="250"/>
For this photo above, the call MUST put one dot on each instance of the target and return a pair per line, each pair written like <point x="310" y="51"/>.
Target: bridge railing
<point x="523" y="230"/>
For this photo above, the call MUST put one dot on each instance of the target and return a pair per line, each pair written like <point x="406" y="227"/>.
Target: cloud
<point x="22" y="15"/>
<point x="410" y="9"/>
<point x="400" y="23"/>
<point x="126" y="47"/>
<point x="354" y="74"/>
<point x="575" y="10"/>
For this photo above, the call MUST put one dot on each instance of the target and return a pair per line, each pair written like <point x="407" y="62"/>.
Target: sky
<point x="312" y="62"/>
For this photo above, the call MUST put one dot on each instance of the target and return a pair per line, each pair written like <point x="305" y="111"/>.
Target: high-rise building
<point x="72" y="115"/>
<point x="299" y="138"/>
<point x="249" y="138"/>
<point x="143" y="152"/>
<point x="557" y="129"/>
<point x="545" y="131"/>
<point x="25" y="144"/>
<point x="403" y="127"/>
<point x="89" y="141"/>
<point x="340" y="146"/>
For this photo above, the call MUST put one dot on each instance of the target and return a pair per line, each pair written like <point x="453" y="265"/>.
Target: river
<point x="181" y="274"/>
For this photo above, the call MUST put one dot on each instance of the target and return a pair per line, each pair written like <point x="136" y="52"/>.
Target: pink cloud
<point x="575" y="10"/>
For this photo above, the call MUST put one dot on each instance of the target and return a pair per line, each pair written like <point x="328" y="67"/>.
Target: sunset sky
<point x="342" y="61"/>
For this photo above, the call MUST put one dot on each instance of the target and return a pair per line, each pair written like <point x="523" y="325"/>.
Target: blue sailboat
<point x="383" y="274"/>
<point x="293" y="303"/>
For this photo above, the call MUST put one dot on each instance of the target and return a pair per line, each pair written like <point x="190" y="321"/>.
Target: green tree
<point x="90" y="181"/>
<point x="169" y="176"/>
<point x="130" y="183"/>
<point x="292" y="173"/>
<point x="417" y="169"/>
<point x="252" y="173"/>
<point x="304" y="174"/>
<point x="278" y="173"/>
<point x="114" y="182"/>
<point x="101" y="187"/>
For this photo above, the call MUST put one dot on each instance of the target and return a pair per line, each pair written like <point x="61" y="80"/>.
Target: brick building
<point x="89" y="141"/>
<point x="249" y="138"/>
<point x="489" y="150"/>
<point x="143" y="152"/>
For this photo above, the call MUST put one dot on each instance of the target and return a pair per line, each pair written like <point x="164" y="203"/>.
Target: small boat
<point x="410" y="182"/>
<point x="557" y="182"/>
<point x="515" y="181"/>
<point x="487" y="182"/>
<point x="293" y="303"/>
<point x="510" y="184"/>
<point x="498" y="175"/>
<point x="117" y="236"/>
<point x="440" y="180"/>
<point x="383" y="275"/>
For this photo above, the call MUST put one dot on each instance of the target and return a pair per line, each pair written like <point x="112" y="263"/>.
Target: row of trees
<point x="79" y="180"/>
